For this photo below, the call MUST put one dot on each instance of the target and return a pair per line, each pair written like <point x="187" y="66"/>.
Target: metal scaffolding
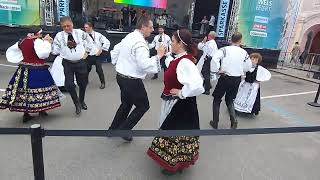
<point x="289" y="24"/>
<point x="47" y="7"/>
<point x="233" y="20"/>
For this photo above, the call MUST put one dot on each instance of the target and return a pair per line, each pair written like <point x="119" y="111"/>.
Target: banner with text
<point x="63" y="8"/>
<point x="222" y="18"/>
<point x="19" y="12"/>
<point x="261" y="22"/>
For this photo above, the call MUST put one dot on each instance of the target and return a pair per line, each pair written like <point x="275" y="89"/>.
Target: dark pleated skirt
<point x="178" y="153"/>
<point x="31" y="90"/>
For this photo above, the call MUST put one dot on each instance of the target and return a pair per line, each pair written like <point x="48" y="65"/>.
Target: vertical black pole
<point x="315" y="103"/>
<point x="37" y="152"/>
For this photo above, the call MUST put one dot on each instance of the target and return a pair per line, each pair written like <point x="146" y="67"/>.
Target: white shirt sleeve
<point x="105" y="42"/>
<point x="201" y="46"/>
<point x="189" y="76"/>
<point x="215" y="61"/>
<point x="115" y="53"/>
<point x="247" y="64"/>
<point x="169" y="44"/>
<point x="14" y="54"/>
<point x="42" y="48"/>
<point x="149" y="65"/>
<point x="153" y="44"/>
<point x="56" y="47"/>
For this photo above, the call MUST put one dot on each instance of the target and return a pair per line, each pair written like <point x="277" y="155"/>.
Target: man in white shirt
<point x="70" y="45"/>
<point x="132" y="61"/>
<point x="97" y="45"/>
<point x="209" y="47"/>
<point x="212" y="22"/>
<point x="231" y="63"/>
<point x="161" y="39"/>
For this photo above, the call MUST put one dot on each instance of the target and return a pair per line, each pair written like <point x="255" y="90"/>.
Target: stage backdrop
<point x="148" y="3"/>
<point x="261" y="22"/>
<point x="20" y="12"/>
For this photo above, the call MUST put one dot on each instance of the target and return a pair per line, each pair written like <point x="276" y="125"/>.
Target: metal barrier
<point x="37" y="134"/>
<point x="310" y="64"/>
<point x="315" y="102"/>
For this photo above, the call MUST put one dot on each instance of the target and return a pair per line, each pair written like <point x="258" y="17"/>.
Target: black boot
<point x="216" y="112"/>
<point x="43" y="114"/>
<point x="155" y="76"/>
<point x="26" y="117"/>
<point x="233" y="118"/>
<point x="103" y="85"/>
<point x="102" y="80"/>
<point x="84" y="106"/>
<point x="82" y="92"/>
<point x="78" y="109"/>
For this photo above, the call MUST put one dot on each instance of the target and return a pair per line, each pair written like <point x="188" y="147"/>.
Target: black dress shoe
<point x="155" y="77"/>
<point x="128" y="138"/>
<point x="207" y="92"/>
<point x="78" y="110"/>
<point x="234" y="125"/>
<point x="43" y="114"/>
<point x="84" y="106"/>
<point x="169" y="173"/>
<point x="103" y="85"/>
<point x="27" y="117"/>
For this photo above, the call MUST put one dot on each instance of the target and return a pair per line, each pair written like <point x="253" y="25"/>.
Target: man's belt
<point x="125" y="76"/>
<point x="72" y="61"/>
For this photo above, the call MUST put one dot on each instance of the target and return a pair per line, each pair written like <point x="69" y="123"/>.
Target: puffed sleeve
<point x="42" y="48"/>
<point x="142" y="56"/>
<point x="14" y="54"/>
<point x="189" y="76"/>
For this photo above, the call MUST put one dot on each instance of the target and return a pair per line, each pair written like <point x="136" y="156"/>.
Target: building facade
<point x="307" y="26"/>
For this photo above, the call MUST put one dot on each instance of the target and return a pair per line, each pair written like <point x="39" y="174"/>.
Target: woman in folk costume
<point x="182" y="83"/>
<point x="248" y="97"/>
<point x="31" y="89"/>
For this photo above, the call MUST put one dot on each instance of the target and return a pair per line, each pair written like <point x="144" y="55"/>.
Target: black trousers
<point x="94" y="60"/>
<point x="80" y="71"/>
<point x="206" y="74"/>
<point x="163" y="64"/>
<point x="228" y="86"/>
<point x="132" y="93"/>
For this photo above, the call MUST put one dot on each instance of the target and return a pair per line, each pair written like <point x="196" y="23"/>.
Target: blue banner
<point x="222" y="18"/>
<point x="63" y="8"/>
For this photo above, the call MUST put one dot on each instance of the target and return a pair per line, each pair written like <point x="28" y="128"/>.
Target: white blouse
<point x="41" y="47"/>
<point x="189" y="76"/>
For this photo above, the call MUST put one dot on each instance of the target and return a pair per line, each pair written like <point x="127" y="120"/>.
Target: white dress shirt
<point x="212" y="21"/>
<point x="208" y="48"/>
<point x="235" y="61"/>
<point x="41" y="47"/>
<point x="96" y="42"/>
<point x="60" y="45"/>
<point x="166" y="41"/>
<point x="132" y="57"/>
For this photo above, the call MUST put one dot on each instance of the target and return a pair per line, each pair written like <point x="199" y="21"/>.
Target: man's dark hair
<point x="65" y="18"/>
<point x="89" y="24"/>
<point x="236" y="37"/>
<point x="161" y="26"/>
<point x="143" y="21"/>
